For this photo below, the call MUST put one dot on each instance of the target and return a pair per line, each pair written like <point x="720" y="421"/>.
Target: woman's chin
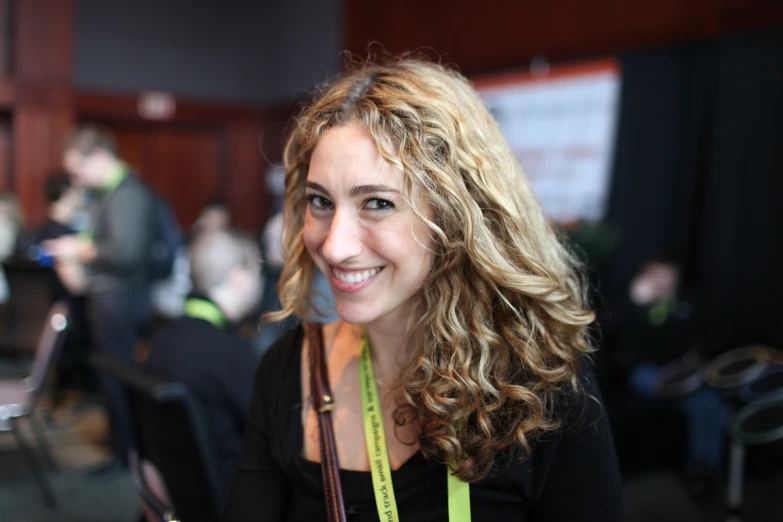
<point x="354" y="318"/>
<point x="356" y="314"/>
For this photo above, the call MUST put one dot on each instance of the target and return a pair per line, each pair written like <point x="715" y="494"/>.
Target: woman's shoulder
<point x="283" y="357"/>
<point x="276" y="382"/>
<point x="286" y="353"/>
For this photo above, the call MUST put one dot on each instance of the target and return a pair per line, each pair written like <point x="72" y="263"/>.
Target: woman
<point x="402" y="190"/>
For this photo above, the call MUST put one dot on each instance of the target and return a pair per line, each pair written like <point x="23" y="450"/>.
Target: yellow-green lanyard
<point x="206" y="310"/>
<point x="114" y="181"/>
<point x="458" y="491"/>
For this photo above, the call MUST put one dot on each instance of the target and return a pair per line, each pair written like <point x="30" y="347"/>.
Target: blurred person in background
<point x="115" y="251"/>
<point x="10" y="225"/>
<point x="68" y="283"/>
<point x="660" y="323"/>
<point x="215" y="215"/>
<point x="168" y="295"/>
<point x="272" y="252"/>
<point x="64" y="201"/>
<point x="203" y="351"/>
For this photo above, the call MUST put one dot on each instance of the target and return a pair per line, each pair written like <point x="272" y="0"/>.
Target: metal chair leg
<point x="736" y="480"/>
<point x="38" y="472"/>
<point x="43" y="443"/>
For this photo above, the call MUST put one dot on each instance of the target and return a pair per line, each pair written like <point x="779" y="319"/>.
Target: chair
<point x="172" y="437"/>
<point x="155" y="498"/>
<point x="18" y="397"/>
<point x="28" y="306"/>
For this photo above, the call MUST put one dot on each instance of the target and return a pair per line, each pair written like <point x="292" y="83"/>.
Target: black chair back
<point x="27" y="309"/>
<point x="172" y="435"/>
<point x="50" y="343"/>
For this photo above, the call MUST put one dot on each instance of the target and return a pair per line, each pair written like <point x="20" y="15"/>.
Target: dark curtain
<point x="743" y="216"/>
<point x="697" y="178"/>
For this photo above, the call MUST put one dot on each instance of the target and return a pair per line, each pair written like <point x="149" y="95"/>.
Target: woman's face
<point x="360" y="232"/>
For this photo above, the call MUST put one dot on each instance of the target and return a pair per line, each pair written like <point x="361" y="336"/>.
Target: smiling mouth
<point x="356" y="276"/>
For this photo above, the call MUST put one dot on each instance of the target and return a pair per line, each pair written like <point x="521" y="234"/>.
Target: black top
<point x="571" y="475"/>
<point x="124" y="222"/>
<point x="217" y="366"/>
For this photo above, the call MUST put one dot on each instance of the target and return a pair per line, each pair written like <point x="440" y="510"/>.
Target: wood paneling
<point x="124" y="107"/>
<point x="5" y="38"/>
<point x="43" y="50"/>
<point x="185" y="166"/>
<point x="6" y="133"/>
<point x="188" y="169"/>
<point x="247" y="194"/>
<point x="38" y="133"/>
<point x="135" y="148"/>
<point x="485" y="36"/>
<point x="40" y="93"/>
<point x="7" y="94"/>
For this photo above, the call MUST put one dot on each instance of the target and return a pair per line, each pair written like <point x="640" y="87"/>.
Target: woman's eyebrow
<point x="361" y="190"/>
<point x="315" y="186"/>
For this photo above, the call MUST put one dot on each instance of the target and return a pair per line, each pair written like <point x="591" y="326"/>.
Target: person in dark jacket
<point x="115" y="251"/>
<point x="202" y="350"/>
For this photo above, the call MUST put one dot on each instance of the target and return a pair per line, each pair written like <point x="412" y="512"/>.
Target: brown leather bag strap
<point x="323" y="404"/>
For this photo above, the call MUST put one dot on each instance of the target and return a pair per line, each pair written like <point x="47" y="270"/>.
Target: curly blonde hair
<point x="499" y="324"/>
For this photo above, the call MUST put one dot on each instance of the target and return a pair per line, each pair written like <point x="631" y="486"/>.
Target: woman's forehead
<point x="347" y="155"/>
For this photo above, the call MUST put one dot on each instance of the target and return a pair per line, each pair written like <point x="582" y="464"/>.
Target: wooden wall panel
<point x="191" y="165"/>
<point x="125" y="107"/>
<point x="5" y="38"/>
<point x="183" y="165"/>
<point x="38" y="133"/>
<point x="44" y="41"/>
<point x="484" y="36"/>
<point x="187" y="170"/>
<point x="41" y="95"/>
<point x="6" y="140"/>
<point x="134" y="146"/>
<point x="245" y="188"/>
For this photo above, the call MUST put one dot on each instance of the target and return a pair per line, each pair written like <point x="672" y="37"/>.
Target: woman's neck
<point x="388" y="346"/>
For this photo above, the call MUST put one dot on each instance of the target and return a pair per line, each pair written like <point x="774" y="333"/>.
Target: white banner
<point x="561" y="126"/>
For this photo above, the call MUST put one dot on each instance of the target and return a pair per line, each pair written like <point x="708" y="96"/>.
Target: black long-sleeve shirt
<point x="123" y="234"/>
<point x="571" y="475"/>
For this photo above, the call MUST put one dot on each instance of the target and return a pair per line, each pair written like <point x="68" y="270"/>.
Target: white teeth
<point x="355" y="277"/>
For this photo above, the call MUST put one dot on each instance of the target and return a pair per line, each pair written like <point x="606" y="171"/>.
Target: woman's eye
<point x="379" y="204"/>
<point x="319" y="202"/>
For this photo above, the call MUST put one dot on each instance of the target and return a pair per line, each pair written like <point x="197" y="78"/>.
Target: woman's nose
<point x="343" y="240"/>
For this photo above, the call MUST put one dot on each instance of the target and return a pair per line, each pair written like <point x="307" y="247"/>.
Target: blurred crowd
<point x="184" y="306"/>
